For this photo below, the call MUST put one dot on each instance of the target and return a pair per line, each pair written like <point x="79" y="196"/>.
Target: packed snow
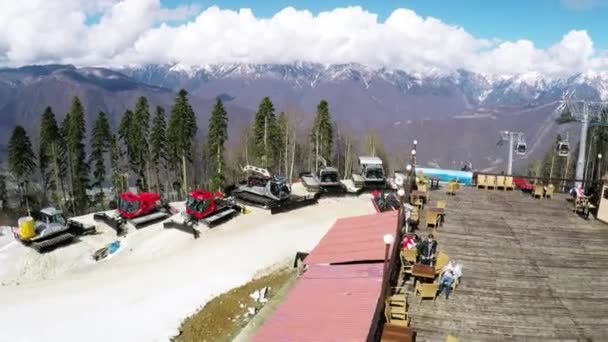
<point x="157" y="277"/>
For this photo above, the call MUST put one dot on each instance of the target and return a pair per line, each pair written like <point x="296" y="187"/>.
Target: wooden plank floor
<point x="532" y="271"/>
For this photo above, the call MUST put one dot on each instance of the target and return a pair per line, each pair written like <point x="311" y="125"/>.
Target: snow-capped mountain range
<point x="481" y="89"/>
<point x="455" y="115"/>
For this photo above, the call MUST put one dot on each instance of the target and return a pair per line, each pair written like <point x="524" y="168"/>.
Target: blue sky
<point x="542" y="21"/>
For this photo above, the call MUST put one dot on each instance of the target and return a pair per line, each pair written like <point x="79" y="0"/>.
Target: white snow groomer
<point x="264" y="190"/>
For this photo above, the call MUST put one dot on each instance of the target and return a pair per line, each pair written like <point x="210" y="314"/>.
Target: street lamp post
<point x="388" y="240"/>
<point x="599" y="166"/>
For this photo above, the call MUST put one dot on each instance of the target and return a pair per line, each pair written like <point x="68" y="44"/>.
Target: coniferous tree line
<point x="157" y="150"/>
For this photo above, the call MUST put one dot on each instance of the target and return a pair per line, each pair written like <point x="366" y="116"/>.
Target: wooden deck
<point x="532" y="271"/>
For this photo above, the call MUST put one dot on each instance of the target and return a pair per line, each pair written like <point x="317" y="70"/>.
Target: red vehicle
<point x="137" y="209"/>
<point x="523" y="184"/>
<point x="207" y="208"/>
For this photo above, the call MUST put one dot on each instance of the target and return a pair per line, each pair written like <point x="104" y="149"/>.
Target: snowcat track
<point x="255" y="200"/>
<point x="184" y="227"/>
<point x="143" y="224"/>
<point x="220" y="216"/>
<point x="52" y="243"/>
<point x="294" y="203"/>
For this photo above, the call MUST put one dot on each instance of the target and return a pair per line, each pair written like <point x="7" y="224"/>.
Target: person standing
<point x="428" y="250"/>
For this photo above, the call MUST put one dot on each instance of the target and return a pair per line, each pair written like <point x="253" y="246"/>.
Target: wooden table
<point x="423" y="271"/>
<point x="440" y="212"/>
<point x="396" y="333"/>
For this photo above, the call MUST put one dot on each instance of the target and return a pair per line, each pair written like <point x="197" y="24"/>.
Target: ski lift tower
<point x="521" y="147"/>
<point x="588" y="113"/>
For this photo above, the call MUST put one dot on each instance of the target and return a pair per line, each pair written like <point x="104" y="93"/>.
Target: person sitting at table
<point x="427" y="250"/>
<point x="449" y="274"/>
<point x="408" y="242"/>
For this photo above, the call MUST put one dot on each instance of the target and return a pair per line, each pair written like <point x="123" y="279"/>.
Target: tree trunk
<point x="71" y="180"/>
<point x="285" y="157"/>
<point x="293" y="155"/>
<point x="58" y="181"/>
<point x="185" y="181"/>
<point x="317" y="150"/>
<point x="347" y="159"/>
<point x="265" y="143"/>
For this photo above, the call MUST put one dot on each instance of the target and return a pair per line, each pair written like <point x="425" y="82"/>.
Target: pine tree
<point x="181" y="132"/>
<point x="100" y="143"/>
<point x="64" y="157"/>
<point x="158" y="145"/>
<point x="125" y="133"/>
<point x="266" y="137"/>
<point x="76" y="150"/>
<point x="48" y="156"/>
<point x="140" y="132"/>
<point x="115" y="166"/>
<point x="216" y="137"/>
<point x="21" y="158"/>
<point x="284" y="138"/>
<point x="322" y="133"/>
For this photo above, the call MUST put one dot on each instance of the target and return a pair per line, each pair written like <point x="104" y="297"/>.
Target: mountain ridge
<point x="456" y="116"/>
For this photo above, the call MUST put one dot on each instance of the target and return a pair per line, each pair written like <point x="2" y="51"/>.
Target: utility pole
<point x="510" y="136"/>
<point x="510" y="166"/>
<point x="580" y="163"/>
<point x="585" y="112"/>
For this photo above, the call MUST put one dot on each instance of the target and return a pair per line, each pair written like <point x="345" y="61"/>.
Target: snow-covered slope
<point x="159" y="276"/>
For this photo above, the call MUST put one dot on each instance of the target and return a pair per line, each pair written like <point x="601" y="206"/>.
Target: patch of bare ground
<point x="222" y="318"/>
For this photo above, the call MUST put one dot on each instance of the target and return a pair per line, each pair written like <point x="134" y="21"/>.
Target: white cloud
<point x="136" y="32"/>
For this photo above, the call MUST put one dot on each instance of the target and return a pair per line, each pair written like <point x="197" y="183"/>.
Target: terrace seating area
<point x="531" y="271"/>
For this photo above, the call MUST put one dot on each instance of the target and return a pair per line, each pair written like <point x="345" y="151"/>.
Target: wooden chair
<point x="432" y="218"/>
<point x="500" y="182"/>
<point x="454" y="284"/>
<point x="481" y="181"/>
<point x="410" y="255"/>
<point x="395" y="314"/>
<point x="451" y="338"/>
<point x="490" y="182"/>
<point x="550" y="191"/>
<point x="426" y="291"/>
<point x="452" y="188"/>
<point x="414" y="219"/>
<point x="441" y="204"/>
<point x="408" y="259"/>
<point x="538" y="191"/>
<point x="398" y="297"/>
<point x="509" y="183"/>
<point x="442" y="260"/>
<point x="418" y="202"/>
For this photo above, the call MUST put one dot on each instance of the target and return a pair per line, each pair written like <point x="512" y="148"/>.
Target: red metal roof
<point x="328" y="303"/>
<point x="353" y="239"/>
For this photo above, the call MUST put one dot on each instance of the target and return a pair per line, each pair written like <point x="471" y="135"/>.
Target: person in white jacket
<point x="449" y="274"/>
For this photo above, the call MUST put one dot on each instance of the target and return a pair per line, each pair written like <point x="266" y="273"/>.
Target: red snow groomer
<point x="207" y="208"/>
<point x="139" y="210"/>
